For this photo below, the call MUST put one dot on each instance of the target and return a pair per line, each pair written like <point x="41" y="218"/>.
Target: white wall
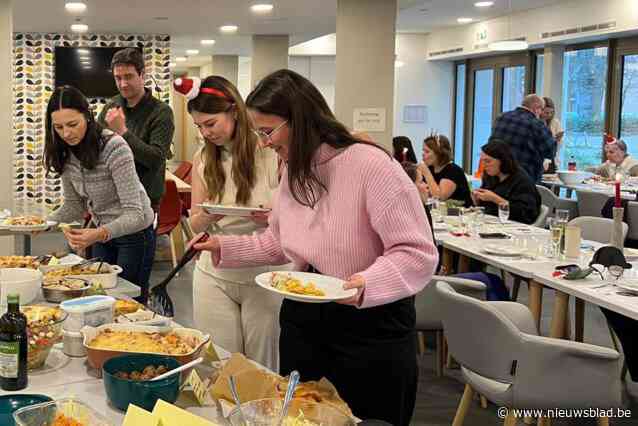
<point x="243" y="76"/>
<point x="321" y="70"/>
<point x="532" y="23"/>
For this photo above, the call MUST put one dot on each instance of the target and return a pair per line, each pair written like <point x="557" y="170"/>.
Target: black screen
<point x="87" y="69"/>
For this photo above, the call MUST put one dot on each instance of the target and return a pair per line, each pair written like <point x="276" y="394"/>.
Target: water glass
<point x="556" y="228"/>
<point x="503" y="212"/>
<point x="562" y="215"/>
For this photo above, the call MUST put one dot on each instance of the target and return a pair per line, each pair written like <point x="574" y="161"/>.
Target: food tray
<point x="44" y="414"/>
<point x="107" y="281"/>
<point x="97" y="357"/>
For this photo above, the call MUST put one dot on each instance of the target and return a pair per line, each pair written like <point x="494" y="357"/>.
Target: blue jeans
<point x="134" y="253"/>
<point x="496" y="289"/>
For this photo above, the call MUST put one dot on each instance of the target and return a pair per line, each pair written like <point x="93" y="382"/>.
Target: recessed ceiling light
<point x="464" y="20"/>
<point x="208" y="42"/>
<point x="161" y="18"/>
<point x="75" y="6"/>
<point x="484" y="3"/>
<point x="228" y="29"/>
<point x="172" y="65"/>
<point x="262" y="7"/>
<point x="192" y="52"/>
<point x="79" y="28"/>
<point x="180" y="59"/>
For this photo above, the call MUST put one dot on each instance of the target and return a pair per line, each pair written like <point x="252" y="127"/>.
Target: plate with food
<point x="305" y="286"/>
<point x="57" y="289"/>
<point x="26" y="224"/>
<point x="232" y="210"/>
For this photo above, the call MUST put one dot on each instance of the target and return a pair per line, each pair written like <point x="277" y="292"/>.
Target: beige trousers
<point x="239" y="317"/>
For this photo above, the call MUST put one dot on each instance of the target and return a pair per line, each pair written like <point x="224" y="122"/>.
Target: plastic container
<point x="11" y="403"/>
<point x="23" y="281"/>
<point x="90" y="310"/>
<point x="44" y="414"/>
<point x="72" y="344"/>
<point x="122" y="392"/>
<point x="265" y="412"/>
<point x="106" y="279"/>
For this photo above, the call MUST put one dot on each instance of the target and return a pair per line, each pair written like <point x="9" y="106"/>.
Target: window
<point x="583" y="115"/>
<point x="629" y="103"/>
<point x="459" y="116"/>
<point x="483" y="107"/>
<point x="540" y="63"/>
<point x="513" y="87"/>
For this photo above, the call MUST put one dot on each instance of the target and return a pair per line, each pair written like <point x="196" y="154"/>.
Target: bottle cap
<point x="13" y="298"/>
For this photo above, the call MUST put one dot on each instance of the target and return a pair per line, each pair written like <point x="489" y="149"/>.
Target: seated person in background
<point x="495" y="289"/>
<point x="618" y="161"/>
<point x="402" y="149"/>
<point x="504" y="182"/>
<point x="445" y="179"/>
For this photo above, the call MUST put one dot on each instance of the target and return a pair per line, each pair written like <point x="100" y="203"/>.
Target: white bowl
<point x="569" y="177"/>
<point x="23" y="281"/>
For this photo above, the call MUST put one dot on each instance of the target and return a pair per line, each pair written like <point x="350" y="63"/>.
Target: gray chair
<point x="428" y="310"/>
<point x="542" y="217"/>
<point x="503" y="357"/>
<point x="554" y="202"/>
<point x="591" y="203"/>
<point x="597" y="228"/>
<point x="632" y="218"/>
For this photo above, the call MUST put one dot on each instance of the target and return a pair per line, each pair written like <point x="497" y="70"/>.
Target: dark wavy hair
<point x="243" y="146"/>
<point x="56" y="151"/>
<point x="292" y="97"/>
<point x="500" y="150"/>
<point x="398" y="144"/>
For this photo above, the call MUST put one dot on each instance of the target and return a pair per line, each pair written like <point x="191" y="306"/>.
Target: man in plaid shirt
<point x="531" y="141"/>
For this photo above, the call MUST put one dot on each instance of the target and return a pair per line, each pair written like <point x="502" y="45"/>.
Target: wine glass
<point x="503" y="212"/>
<point x="556" y="231"/>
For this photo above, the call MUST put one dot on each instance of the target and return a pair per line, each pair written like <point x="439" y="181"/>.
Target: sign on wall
<point x="369" y="119"/>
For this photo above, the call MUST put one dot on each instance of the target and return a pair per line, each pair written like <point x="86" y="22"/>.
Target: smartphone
<point x="567" y="268"/>
<point x="495" y="235"/>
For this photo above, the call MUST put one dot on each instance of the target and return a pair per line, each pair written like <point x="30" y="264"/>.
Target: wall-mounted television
<point x="86" y="68"/>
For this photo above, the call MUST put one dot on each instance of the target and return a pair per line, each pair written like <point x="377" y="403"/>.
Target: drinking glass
<point x="556" y="231"/>
<point x="562" y="215"/>
<point x="503" y="212"/>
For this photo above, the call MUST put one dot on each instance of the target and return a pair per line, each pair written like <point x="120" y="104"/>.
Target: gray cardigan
<point x="111" y="192"/>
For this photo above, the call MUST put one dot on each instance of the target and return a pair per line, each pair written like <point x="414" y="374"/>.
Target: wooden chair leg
<point x="603" y="421"/>
<point x="173" y="249"/>
<point x="483" y="402"/>
<point x="464" y="406"/>
<point x="579" y="326"/>
<point x="464" y="264"/>
<point x="561" y="304"/>
<point x="440" y="350"/>
<point x="528" y="420"/>
<point x="447" y="262"/>
<point x="515" y="288"/>
<point x="510" y="420"/>
<point x="544" y="421"/>
<point x="421" y="338"/>
<point x="536" y="301"/>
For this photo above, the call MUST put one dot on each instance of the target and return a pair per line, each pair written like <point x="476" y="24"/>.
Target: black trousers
<point x="626" y="330"/>
<point x="368" y="354"/>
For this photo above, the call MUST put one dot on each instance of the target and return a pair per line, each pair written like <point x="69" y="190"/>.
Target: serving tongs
<point x="159" y="301"/>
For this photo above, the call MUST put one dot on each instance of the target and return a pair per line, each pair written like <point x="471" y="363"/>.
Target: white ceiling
<point x="189" y="21"/>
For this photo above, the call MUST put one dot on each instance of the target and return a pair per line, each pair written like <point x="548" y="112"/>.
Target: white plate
<point x="29" y="228"/>
<point x="333" y="287"/>
<point x="502" y="250"/>
<point x="231" y="210"/>
<point x="628" y="283"/>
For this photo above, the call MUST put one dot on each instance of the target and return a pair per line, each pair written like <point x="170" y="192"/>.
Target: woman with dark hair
<point x="99" y="177"/>
<point x="504" y="182"/>
<point x="445" y="179"/>
<point x="231" y="169"/>
<point x="402" y="149"/>
<point x="344" y="209"/>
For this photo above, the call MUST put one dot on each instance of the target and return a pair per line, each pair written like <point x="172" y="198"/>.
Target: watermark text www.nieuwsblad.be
<point x="560" y="413"/>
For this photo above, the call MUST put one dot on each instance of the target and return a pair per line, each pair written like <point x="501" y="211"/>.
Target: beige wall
<point x="6" y="132"/>
<point x="270" y="53"/>
<point x="226" y="66"/>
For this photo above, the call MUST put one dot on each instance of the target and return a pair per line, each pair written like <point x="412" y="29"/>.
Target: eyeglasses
<point x="268" y="135"/>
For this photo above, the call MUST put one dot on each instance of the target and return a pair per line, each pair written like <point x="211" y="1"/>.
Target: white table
<point x="627" y="191"/>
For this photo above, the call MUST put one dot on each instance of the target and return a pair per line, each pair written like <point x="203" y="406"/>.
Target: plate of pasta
<point x="26" y="223"/>
<point x="304" y="286"/>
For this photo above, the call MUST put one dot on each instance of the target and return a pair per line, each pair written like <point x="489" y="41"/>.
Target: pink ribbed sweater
<point x="370" y="222"/>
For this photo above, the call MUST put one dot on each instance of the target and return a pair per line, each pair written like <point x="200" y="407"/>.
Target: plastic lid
<point x="88" y="303"/>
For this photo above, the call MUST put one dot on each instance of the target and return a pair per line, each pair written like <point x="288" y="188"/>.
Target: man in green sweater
<point x="145" y="122"/>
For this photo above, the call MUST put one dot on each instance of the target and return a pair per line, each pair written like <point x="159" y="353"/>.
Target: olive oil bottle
<point x="13" y="346"/>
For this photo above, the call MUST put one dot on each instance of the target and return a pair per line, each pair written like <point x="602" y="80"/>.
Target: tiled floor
<point x="437" y="399"/>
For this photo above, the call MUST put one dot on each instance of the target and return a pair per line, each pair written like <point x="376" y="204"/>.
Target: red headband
<point x="212" y="91"/>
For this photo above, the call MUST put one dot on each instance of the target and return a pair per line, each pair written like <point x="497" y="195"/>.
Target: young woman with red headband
<point x="231" y="169"/>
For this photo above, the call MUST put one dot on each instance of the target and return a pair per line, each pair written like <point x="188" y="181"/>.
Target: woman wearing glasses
<point x="231" y="169"/>
<point x="346" y="209"/>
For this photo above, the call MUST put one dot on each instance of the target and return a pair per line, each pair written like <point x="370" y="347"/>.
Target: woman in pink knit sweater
<point x="346" y="209"/>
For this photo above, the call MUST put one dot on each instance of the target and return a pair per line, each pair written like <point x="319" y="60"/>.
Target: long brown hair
<point x="292" y="97"/>
<point x="243" y="144"/>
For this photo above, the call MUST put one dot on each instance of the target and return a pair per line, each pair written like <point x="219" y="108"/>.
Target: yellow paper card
<point x="171" y="415"/>
<point x="210" y="354"/>
<point x="197" y="387"/>
<point x="136" y="416"/>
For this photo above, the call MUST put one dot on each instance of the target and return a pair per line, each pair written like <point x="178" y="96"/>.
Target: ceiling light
<point x="508" y="45"/>
<point x="464" y="20"/>
<point x="191" y="52"/>
<point x="228" y="29"/>
<point x="262" y="7"/>
<point x="398" y="64"/>
<point x="79" y="28"/>
<point x="208" y="42"/>
<point x="172" y="65"/>
<point x="180" y="59"/>
<point x="484" y="3"/>
<point x="75" y="6"/>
